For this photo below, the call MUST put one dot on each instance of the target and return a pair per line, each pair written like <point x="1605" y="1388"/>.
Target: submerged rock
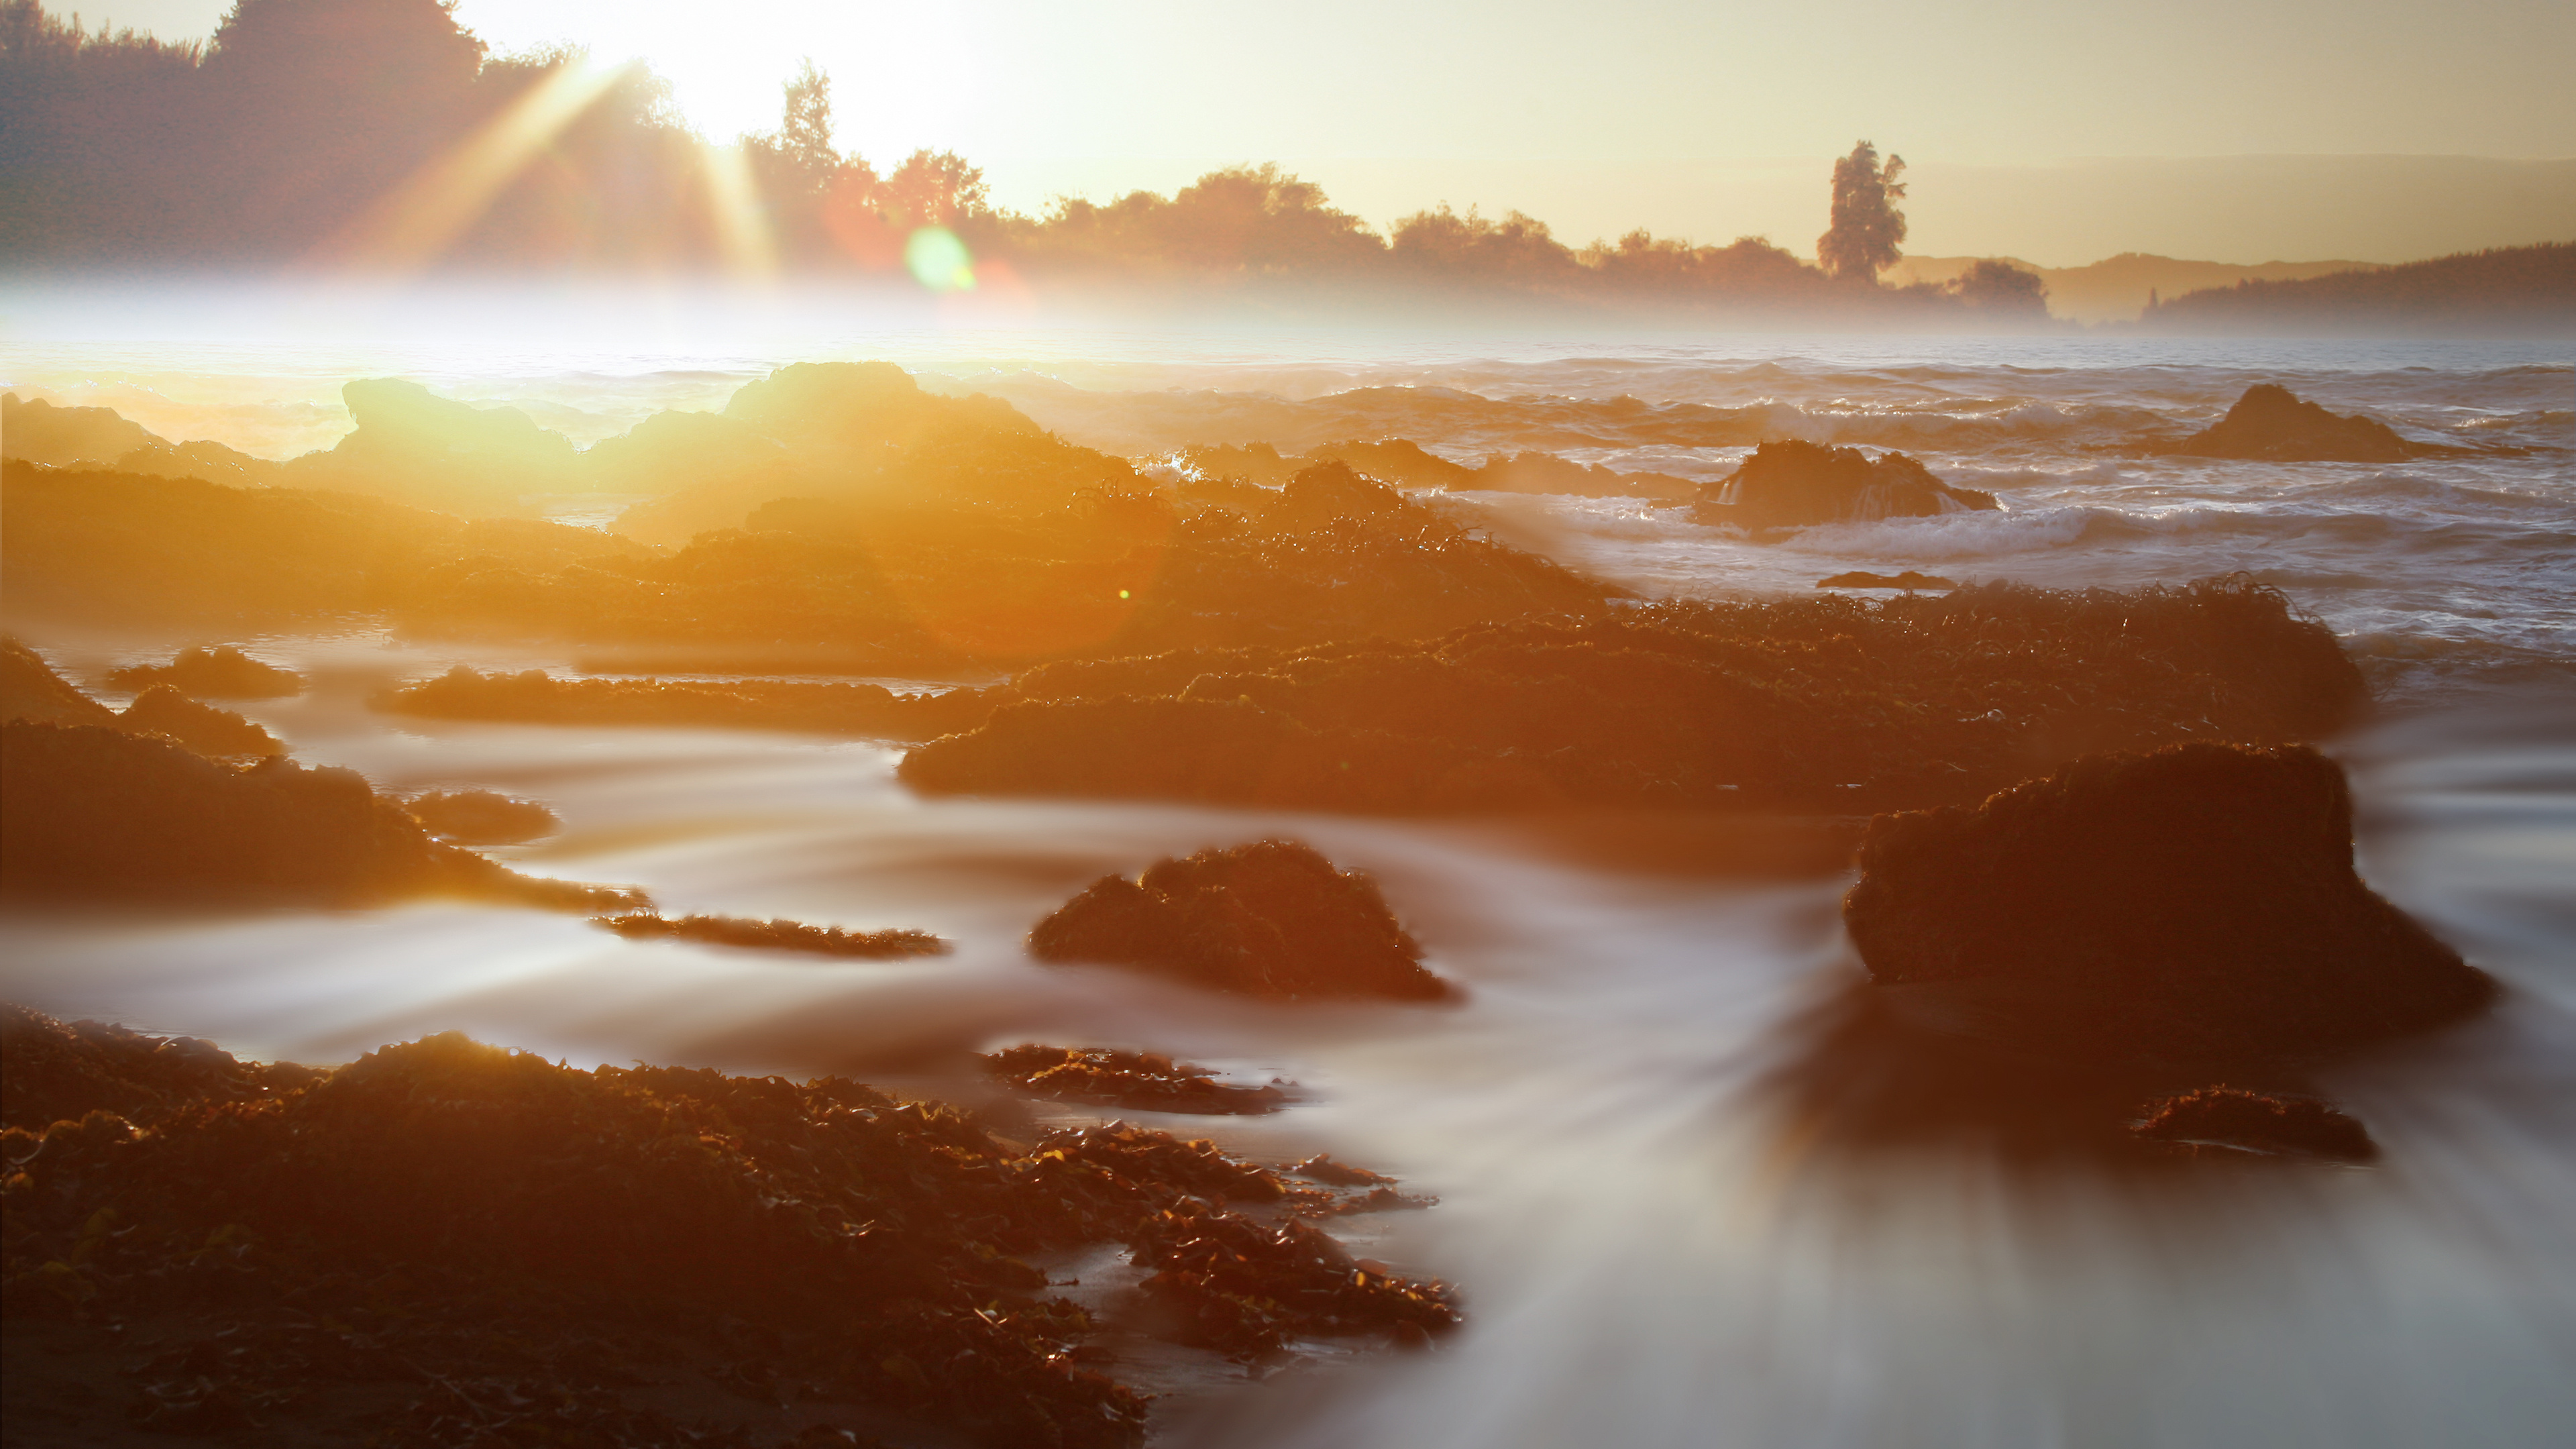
<point x="776" y="935"/>
<point x="2257" y="1122"/>
<point x="224" y="673"/>
<point x="1863" y="579"/>
<point x="215" y="733"/>
<point x="481" y="817"/>
<point x="2198" y="903"/>
<point x="1272" y="919"/>
<point x="1796" y="484"/>
<point x="2272" y="424"/>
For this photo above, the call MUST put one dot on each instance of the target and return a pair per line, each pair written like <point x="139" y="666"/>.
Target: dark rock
<point x="215" y="733"/>
<point x="2198" y="903"/>
<point x="31" y="690"/>
<point x="225" y="673"/>
<point x="1532" y="472"/>
<point x="1827" y="703"/>
<point x="2259" y="1122"/>
<point x="1861" y="579"/>
<point x="531" y="696"/>
<point x="481" y="817"/>
<point x="1795" y="484"/>
<point x="103" y="813"/>
<point x="2272" y="424"/>
<point x="41" y="432"/>
<point x="1272" y="919"/>
<point x="414" y="445"/>
<point x="1401" y="461"/>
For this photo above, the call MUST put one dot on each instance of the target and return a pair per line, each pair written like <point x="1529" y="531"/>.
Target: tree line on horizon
<point x="122" y="153"/>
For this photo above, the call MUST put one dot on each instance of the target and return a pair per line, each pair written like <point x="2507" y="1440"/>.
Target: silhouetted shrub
<point x="1793" y="484"/>
<point x="1272" y="919"/>
<point x="2195" y="903"/>
<point x="223" y="673"/>
<point x="777" y="935"/>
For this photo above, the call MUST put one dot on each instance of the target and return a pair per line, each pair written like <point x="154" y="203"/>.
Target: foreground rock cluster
<point x="327" y="1252"/>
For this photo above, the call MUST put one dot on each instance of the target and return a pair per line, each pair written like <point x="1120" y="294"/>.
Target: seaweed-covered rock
<point x="1794" y="484"/>
<point x="1246" y="1288"/>
<point x="2197" y="903"/>
<point x="100" y="812"/>
<point x="2274" y="425"/>
<point x="217" y="733"/>
<point x="1272" y="919"/>
<point x="224" y="673"/>
<point x="481" y="817"/>
<point x="52" y="1071"/>
<point x="1138" y="1081"/>
<point x="776" y="935"/>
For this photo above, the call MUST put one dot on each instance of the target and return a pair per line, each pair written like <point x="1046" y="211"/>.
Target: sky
<point x="2055" y="132"/>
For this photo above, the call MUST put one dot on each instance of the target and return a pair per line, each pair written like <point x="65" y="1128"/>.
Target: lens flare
<point x="939" y="261"/>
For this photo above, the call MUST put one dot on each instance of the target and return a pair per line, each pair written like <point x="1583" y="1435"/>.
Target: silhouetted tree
<point x="934" y="188"/>
<point x="1862" y="241"/>
<point x="1992" y="286"/>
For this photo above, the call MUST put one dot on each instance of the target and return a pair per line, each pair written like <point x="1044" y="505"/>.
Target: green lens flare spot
<point x="938" y="260"/>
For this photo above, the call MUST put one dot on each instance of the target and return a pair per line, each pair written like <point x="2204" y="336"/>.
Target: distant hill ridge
<point x="2502" y="290"/>
<point x="2120" y="288"/>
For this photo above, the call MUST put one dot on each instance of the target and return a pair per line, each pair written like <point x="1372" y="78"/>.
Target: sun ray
<point x="742" y="227"/>
<point x="413" y="225"/>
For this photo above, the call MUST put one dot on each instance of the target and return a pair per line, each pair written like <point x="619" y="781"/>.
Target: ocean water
<point x="1654" y="1248"/>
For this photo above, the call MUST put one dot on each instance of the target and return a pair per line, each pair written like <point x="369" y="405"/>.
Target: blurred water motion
<point x="1655" y="1248"/>
<point x="1657" y="1253"/>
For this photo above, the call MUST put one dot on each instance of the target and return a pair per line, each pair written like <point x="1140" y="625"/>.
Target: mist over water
<point x="1654" y="1248"/>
